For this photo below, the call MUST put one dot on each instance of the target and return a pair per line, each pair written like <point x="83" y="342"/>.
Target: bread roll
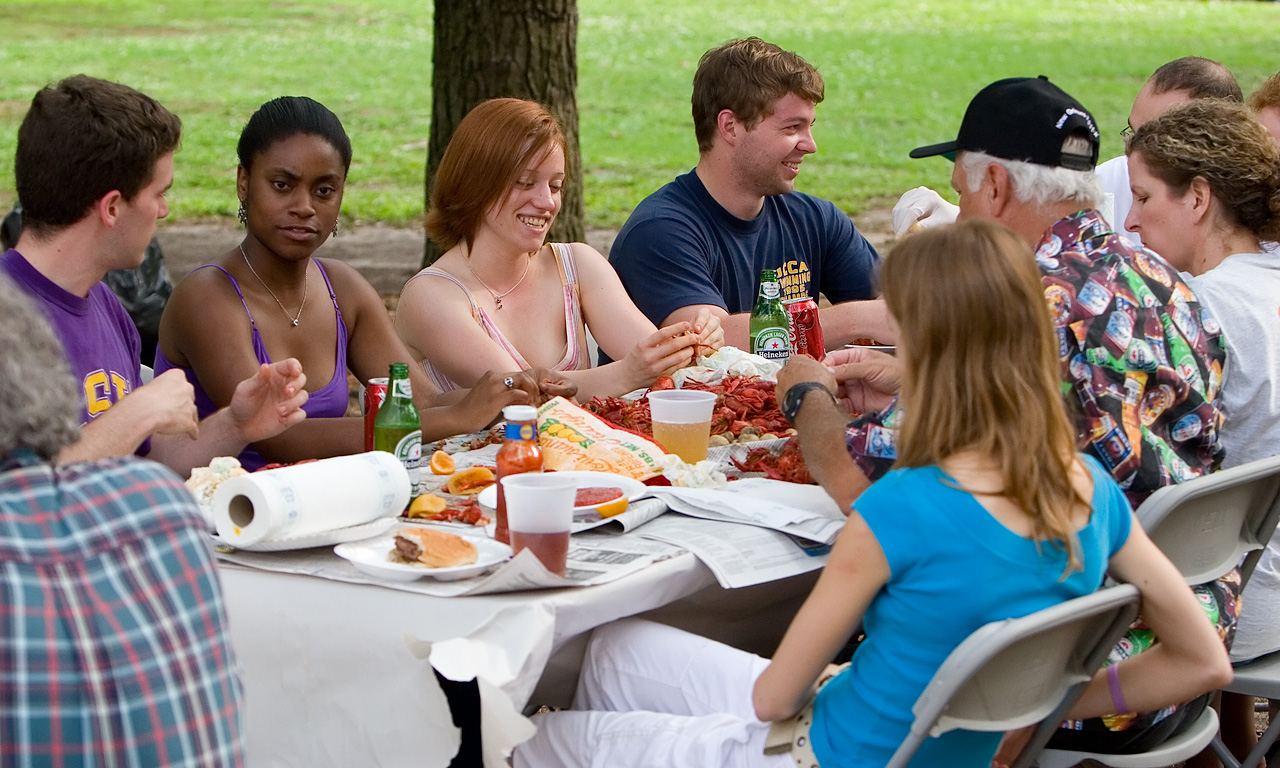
<point x="435" y="549"/>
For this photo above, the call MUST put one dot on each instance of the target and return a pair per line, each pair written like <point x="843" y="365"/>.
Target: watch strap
<point x="794" y="398"/>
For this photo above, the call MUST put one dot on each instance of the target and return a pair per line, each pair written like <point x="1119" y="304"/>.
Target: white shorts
<point x="653" y="696"/>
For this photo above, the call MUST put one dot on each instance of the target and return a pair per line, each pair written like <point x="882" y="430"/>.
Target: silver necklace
<point x="497" y="297"/>
<point x="306" y="283"/>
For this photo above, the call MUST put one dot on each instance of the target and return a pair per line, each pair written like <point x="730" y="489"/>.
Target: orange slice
<point x="441" y="463"/>
<point x="611" y="508"/>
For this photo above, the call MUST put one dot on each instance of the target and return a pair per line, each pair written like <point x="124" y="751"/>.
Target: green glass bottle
<point x="770" y="322"/>
<point x="396" y="429"/>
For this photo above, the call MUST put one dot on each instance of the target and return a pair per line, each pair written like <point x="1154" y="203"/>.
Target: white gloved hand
<point x="922" y="206"/>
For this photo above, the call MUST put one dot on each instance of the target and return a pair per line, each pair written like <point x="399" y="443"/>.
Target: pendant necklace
<point x="306" y="283"/>
<point x="497" y="297"/>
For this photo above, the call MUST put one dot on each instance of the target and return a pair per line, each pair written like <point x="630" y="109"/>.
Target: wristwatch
<point x="791" y="401"/>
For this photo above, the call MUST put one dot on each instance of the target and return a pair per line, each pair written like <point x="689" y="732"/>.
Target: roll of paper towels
<point x="309" y="498"/>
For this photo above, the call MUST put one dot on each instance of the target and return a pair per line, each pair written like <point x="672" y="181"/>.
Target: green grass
<point x="898" y="73"/>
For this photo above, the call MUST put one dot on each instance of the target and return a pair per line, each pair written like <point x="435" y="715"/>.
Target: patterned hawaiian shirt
<point x="114" y="647"/>
<point x="1141" y="360"/>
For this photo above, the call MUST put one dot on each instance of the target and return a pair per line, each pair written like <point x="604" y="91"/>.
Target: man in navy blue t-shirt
<point x="702" y="240"/>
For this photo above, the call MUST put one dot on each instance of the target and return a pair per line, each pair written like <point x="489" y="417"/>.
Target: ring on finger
<point x="509" y="382"/>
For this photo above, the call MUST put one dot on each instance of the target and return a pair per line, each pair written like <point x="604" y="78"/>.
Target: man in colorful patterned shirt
<point x="114" y="648"/>
<point x="1141" y="360"/>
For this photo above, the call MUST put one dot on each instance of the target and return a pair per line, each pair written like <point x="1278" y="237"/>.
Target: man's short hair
<point x="746" y="77"/>
<point x="1267" y="95"/>
<point x="38" y="399"/>
<point x="81" y="139"/>
<point x="1201" y="78"/>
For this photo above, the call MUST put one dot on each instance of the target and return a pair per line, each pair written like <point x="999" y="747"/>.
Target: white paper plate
<point x="631" y="488"/>
<point x="370" y="556"/>
<point x="321" y="539"/>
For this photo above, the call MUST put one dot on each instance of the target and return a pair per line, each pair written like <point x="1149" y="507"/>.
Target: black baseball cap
<point x="1023" y="118"/>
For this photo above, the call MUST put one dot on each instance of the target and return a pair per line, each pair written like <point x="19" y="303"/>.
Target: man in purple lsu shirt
<point x="93" y="165"/>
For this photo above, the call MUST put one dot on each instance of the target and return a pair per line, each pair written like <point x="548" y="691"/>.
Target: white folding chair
<point x="1013" y="673"/>
<point x="1260" y="677"/>
<point x="1206" y="527"/>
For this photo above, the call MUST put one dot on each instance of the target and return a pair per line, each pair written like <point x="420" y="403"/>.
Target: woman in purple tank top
<point x="269" y="298"/>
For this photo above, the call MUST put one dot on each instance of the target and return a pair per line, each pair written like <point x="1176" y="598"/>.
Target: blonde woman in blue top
<point x="990" y="513"/>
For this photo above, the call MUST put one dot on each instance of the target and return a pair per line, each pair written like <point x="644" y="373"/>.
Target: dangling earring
<point x="335" y="229"/>
<point x="242" y="215"/>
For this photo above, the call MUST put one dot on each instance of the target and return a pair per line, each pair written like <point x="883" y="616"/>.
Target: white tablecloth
<point x="332" y="678"/>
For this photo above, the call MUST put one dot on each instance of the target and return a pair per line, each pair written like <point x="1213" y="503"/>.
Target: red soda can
<point x="371" y="399"/>
<point x="806" y="331"/>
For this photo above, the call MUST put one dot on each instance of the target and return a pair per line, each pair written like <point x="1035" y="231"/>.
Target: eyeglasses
<point x="1126" y="131"/>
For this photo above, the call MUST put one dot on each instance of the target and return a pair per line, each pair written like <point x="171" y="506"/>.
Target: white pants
<point x="650" y="695"/>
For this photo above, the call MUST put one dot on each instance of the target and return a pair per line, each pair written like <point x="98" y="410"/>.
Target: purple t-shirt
<point x="100" y="341"/>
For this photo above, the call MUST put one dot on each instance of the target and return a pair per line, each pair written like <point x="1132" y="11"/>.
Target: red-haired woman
<point x="499" y="296"/>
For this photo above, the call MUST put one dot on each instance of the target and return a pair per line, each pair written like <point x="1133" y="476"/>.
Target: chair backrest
<point x="1205" y="526"/>
<point x="1013" y="673"/>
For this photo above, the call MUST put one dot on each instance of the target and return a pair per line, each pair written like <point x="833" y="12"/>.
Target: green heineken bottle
<point x="396" y="428"/>
<point x="770" y="321"/>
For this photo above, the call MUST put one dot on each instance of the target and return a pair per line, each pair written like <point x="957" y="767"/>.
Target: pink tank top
<point x="576" y="356"/>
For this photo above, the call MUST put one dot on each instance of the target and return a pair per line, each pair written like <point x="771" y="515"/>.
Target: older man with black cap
<point x="1137" y="353"/>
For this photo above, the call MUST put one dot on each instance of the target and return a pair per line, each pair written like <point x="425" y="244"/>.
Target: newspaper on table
<point x="803" y="511"/>
<point x="738" y="555"/>
<point x="593" y="559"/>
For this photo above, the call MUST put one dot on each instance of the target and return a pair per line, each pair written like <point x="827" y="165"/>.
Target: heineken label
<point x="770" y="290"/>
<point x="772" y="344"/>
<point x="409" y="452"/>
<point x="402" y="388"/>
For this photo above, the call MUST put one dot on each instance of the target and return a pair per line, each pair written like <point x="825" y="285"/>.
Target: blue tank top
<point x="328" y="402"/>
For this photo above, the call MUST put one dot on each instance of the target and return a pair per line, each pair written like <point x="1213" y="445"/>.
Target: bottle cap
<point x="519" y="413"/>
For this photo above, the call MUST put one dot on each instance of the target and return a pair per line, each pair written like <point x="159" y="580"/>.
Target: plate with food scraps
<point x="376" y="557"/>
<point x="593" y="502"/>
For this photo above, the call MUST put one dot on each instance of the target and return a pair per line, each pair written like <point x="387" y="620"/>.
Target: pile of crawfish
<point x="741" y="402"/>
<point x="787" y="464"/>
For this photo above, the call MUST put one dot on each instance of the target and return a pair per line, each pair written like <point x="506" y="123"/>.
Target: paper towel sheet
<point x="309" y="498"/>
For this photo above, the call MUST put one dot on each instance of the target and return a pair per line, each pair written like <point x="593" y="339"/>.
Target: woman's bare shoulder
<point x="441" y="282"/>
<point x="206" y="288"/>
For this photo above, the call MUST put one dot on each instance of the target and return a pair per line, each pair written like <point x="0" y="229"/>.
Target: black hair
<point x="287" y="116"/>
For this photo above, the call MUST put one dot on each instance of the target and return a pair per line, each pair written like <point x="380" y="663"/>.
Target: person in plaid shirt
<point x="114" y="647"/>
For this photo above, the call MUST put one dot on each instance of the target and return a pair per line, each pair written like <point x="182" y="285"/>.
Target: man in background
<point x="1174" y="83"/>
<point x="701" y="241"/>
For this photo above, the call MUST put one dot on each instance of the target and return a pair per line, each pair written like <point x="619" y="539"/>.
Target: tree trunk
<point x="485" y="49"/>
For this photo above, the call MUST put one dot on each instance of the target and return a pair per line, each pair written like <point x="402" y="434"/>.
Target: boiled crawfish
<point x="741" y="402"/>
<point x="787" y="465"/>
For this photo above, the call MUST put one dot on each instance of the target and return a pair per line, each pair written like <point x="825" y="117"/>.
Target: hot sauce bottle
<point x="519" y="453"/>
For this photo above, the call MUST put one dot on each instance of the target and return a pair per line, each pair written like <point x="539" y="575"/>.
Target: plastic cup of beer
<point x="539" y="514"/>
<point x="682" y="421"/>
